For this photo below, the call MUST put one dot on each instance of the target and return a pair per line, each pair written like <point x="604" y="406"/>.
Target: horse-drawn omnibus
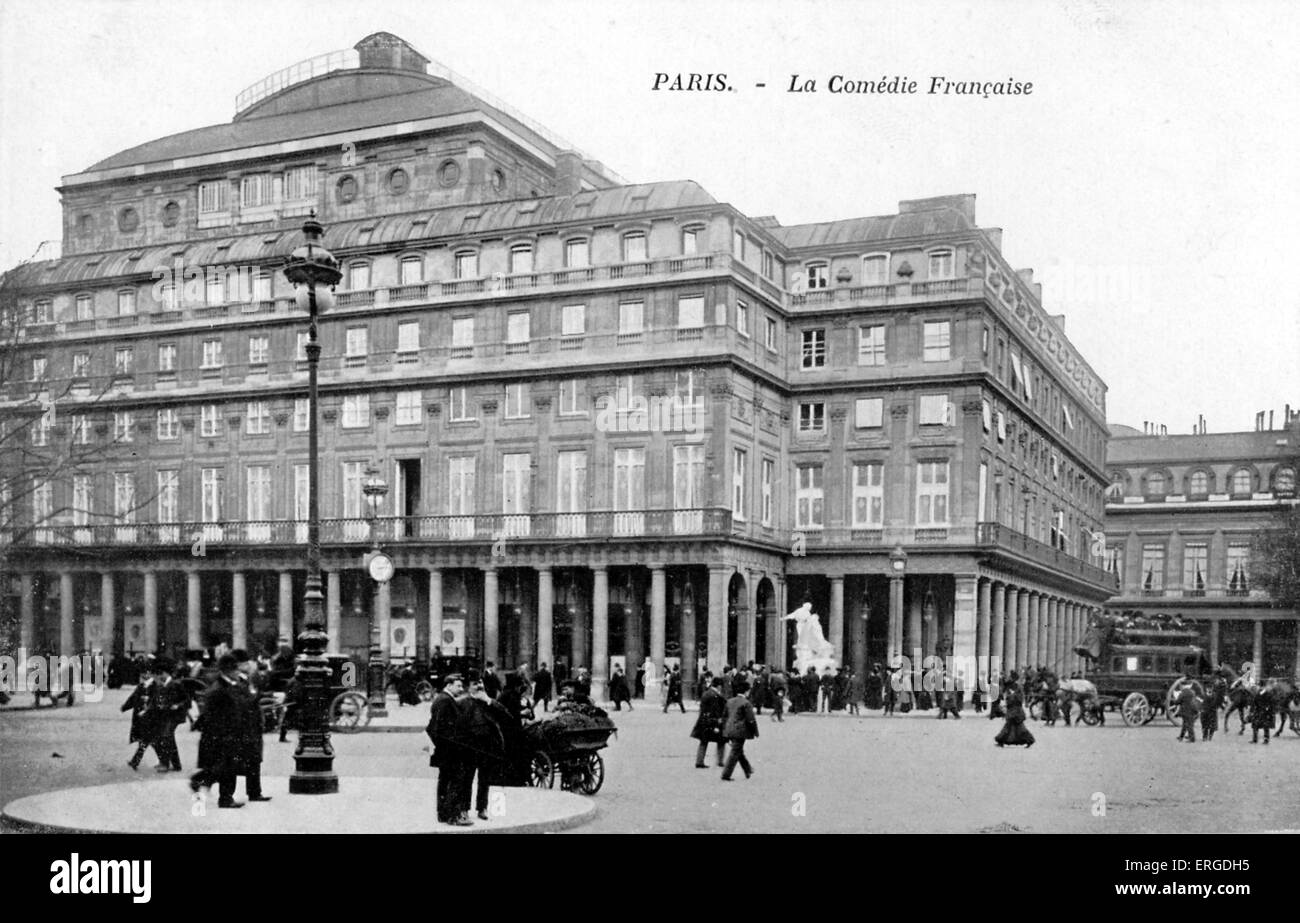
<point x="1140" y="666"/>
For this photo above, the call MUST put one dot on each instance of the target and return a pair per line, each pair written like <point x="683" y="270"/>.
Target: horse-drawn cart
<point x="1141" y="670"/>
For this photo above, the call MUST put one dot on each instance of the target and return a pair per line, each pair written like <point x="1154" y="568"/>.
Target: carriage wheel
<point x="1171" y="698"/>
<point x="348" y="711"/>
<point x="1090" y="716"/>
<point x="424" y="689"/>
<point x="1136" y="709"/>
<point x="593" y="775"/>
<point x="541" y="771"/>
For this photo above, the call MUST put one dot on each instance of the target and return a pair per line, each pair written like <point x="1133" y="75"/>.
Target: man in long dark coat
<point x="619" y="691"/>
<point x="221" y="735"/>
<point x="481" y="728"/>
<point x="674" y="696"/>
<point x="252" y="728"/>
<point x="542" y="687"/>
<point x="708" y="726"/>
<point x="449" y="753"/>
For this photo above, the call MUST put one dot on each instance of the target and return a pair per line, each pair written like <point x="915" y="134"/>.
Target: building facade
<point x="1180" y="518"/>
<point x="617" y="420"/>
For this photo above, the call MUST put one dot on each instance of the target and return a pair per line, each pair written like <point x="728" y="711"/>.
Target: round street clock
<point x="381" y="568"/>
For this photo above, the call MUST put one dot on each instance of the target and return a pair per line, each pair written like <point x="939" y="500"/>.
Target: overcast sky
<point x="1150" y="180"/>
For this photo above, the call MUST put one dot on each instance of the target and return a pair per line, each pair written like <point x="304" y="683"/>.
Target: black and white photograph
<point x="650" y="418"/>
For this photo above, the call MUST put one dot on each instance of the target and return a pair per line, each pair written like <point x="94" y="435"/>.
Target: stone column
<point x="1022" y="629"/>
<point x="238" y="611"/>
<point x="193" y="610"/>
<point x="599" y="632"/>
<point x="965" y="620"/>
<point x="836" y="626"/>
<point x="26" y="618"/>
<point x="895" y="618"/>
<point x="1214" y="642"/>
<point x="859" y="634"/>
<point x="1030" y="656"/>
<point x="284" y="607"/>
<point x="687" y="634"/>
<point x="983" y="631"/>
<point x="1048" y="633"/>
<point x="527" y="625"/>
<point x="634" y="634"/>
<point x="747" y="627"/>
<point x="67" y="642"/>
<point x="107" y="613"/>
<point x="150" y="611"/>
<point x="717" y="624"/>
<point x="578" y="633"/>
<point x="333" y="610"/>
<point x="913" y="643"/>
<point x="658" y="616"/>
<point x="383" y="606"/>
<point x="545" y="618"/>
<point x="997" y="629"/>
<point x="435" y="609"/>
<point x="491" y="616"/>
<point x="1257" y="649"/>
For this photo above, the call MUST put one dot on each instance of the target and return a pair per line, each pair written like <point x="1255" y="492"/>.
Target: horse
<point x="1081" y="691"/>
<point x="1241" y="696"/>
<point x="1241" y="699"/>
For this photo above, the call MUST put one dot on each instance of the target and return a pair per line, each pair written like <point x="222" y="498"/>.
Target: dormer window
<point x="941" y="264"/>
<point x="1284" y="482"/>
<point x="1198" y="485"/>
<point x="1156" y="484"/>
<point x="1242" y="482"/>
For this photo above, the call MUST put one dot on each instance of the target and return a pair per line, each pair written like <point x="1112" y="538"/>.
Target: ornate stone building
<point x="618" y="420"/>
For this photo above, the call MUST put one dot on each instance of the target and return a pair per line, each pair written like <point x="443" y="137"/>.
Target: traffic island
<point x="362" y="805"/>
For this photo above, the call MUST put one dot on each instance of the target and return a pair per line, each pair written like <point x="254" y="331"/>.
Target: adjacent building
<point x="617" y="420"/>
<point x="1181" y="514"/>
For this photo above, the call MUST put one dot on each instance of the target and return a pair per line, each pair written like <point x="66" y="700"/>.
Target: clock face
<point x="381" y="568"/>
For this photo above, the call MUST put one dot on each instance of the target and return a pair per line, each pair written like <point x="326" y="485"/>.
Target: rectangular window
<point x="459" y="410"/>
<point x="255" y="190"/>
<point x="262" y="287"/>
<point x="168" y="424"/>
<point x="356" y="410"/>
<point x="738" y="245"/>
<point x="125" y="304"/>
<point x="213" y="197"/>
<point x="935" y="410"/>
<point x="769" y="265"/>
<point x="521" y="258"/>
<point x="813" y="353"/>
<point x="577" y="254"/>
<point x="819" y="276"/>
<point x="167" y="357"/>
<point x="211" y="354"/>
<point x="630" y="317"/>
<point x="169" y="491"/>
<point x="462" y="335"/>
<point x="40" y="366"/>
<point x="358" y="342"/>
<point x="1153" y="569"/>
<point x="875" y="269"/>
<point x="43" y="312"/>
<point x="516" y="401"/>
<point x="353" y="498"/>
<point x="869" y="412"/>
<point x="42" y="503"/>
<point x="1238" y="570"/>
<point x="629" y="480"/>
<point x="1115" y="562"/>
<point x="257" y="418"/>
<point x="85" y="308"/>
<point x="83" y="501"/>
<point x="812" y="417"/>
<point x="259" y="349"/>
<point x="982" y="499"/>
<point x="739" y="483"/>
<point x="408" y="407"/>
<point x="41" y="430"/>
<point x="81" y="364"/>
<point x="769" y="333"/>
<point x="769" y="474"/>
<point x="1002" y="426"/>
<point x="573" y="320"/>
<point x="124" y="496"/>
<point x="932" y="493"/>
<point x="300" y="355"/>
<point x="634" y="248"/>
<point x="518" y="330"/>
<point x="466" y="266"/>
<point x="257" y="496"/>
<point x="868" y="495"/>
<point x="871" y="345"/>
<point x="941" y="265"/>
<point x="516" y="480"/>
<point x="571" y="486"/>
<point x="408" y="337"/>
<point x="301" y="500"/>
<point x="358" y="277"/>
<point x="685" y="394"/>
<point x="571" y="397"/>
<point x="986" y="410"/>
<point x="1195" y="561"/>
<point x="742" y="319"/>
<point x="122" y="361"/>
<point x="81" y="429"/>
<point x="808" y="498"/>
<point x="214" y="291"/>
<point x="690" y="242"/>
<point x="301" y="414"/>
<point x="210" y="495"/>
<point x="938" y="341"/>
<point x="690" y="312"/>
<point x="300" y="182"/>
<point x="688" y="488"/>
<point x="209" y="422"/>
<point x="412" y="268"/>
<point x="460" y="493"/>
<point x="123" y="426"/>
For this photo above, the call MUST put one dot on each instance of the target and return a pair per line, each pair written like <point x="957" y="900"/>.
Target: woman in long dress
<point x="1014" y="731"/>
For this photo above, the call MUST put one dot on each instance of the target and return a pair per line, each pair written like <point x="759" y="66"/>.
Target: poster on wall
<point x="401" y="639"/>
<point x="133" y="640"/>
<point x="453" y="637"/>
<point x="93" y="633"/>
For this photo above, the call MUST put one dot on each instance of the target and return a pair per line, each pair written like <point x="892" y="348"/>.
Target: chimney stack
<point x="1270" y="421"/>
<point x="568" y="173"/>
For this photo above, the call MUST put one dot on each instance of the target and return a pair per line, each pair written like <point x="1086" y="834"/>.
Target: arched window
<point x="1284" y="481"/>
<point x="1198" y="484"/>
<point x="875" y="269"/>
<point x="1242" y="482"/>
<point x="1155" y="484"/>
<point x="521" y="258"/>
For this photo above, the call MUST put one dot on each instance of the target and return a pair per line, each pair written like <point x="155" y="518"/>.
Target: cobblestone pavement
<point x="912" y="774"/>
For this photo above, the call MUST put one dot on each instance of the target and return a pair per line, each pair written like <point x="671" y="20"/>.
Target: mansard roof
<point x="920" y="223"/>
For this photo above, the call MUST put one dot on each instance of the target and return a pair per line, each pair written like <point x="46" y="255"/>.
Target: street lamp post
<point x="312" y="267"/>
<point x="374" y="488"/>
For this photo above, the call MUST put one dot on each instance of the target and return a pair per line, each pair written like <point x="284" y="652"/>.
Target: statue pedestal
<point x="805" y="658"/>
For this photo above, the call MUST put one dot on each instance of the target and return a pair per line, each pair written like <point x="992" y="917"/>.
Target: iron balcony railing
<point x="996" y="535"/>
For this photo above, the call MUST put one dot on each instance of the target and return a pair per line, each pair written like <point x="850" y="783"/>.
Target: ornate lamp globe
<point x="312" y="265"/>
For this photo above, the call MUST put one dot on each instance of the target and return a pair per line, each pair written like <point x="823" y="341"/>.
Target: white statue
<point x="811" y="649"/>
<point x="651" y="677"/>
